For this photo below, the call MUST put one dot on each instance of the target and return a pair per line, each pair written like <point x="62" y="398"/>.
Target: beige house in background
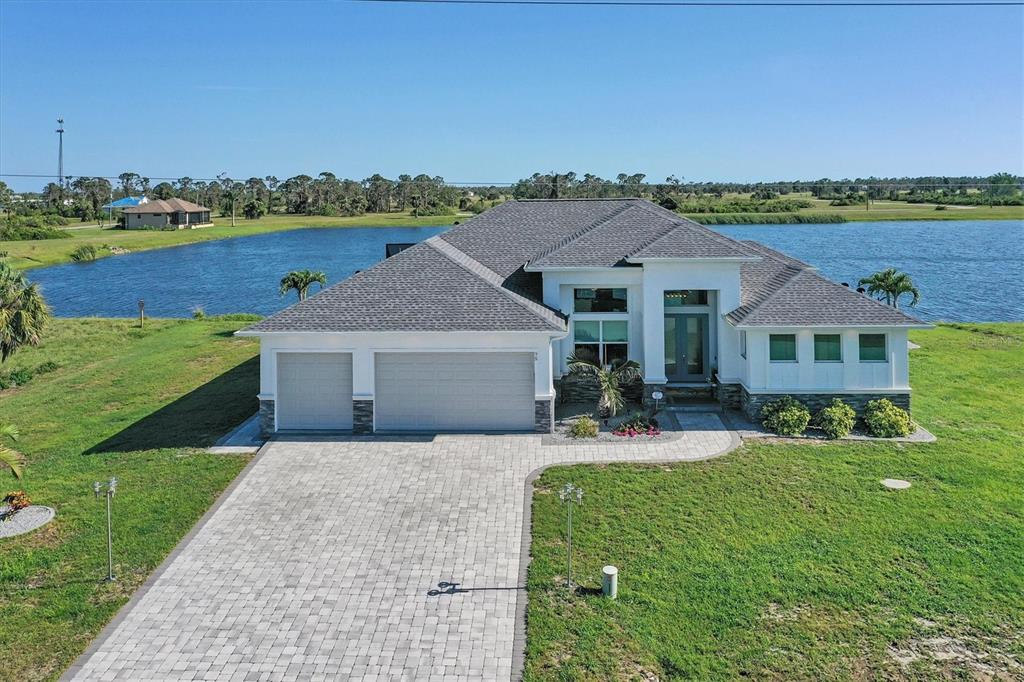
<point x="166" y="214"/>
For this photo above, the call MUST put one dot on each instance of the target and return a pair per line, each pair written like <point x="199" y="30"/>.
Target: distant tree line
<point x="676" y="193"/>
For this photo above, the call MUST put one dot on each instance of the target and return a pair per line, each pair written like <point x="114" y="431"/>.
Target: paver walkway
<point x="318" y="563"/>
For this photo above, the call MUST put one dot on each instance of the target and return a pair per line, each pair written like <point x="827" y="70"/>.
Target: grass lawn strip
<point x="791" y="561"/>
<point x="138" y="404"/>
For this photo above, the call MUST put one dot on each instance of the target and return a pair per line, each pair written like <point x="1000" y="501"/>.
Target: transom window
<point x="872" y="348"/>
<point x="680" y="297"/>
<point x="599" y="301"/>
<point x="782" y="347"/>
<point x="601" y="341"/>
<point x="828" y="348"/>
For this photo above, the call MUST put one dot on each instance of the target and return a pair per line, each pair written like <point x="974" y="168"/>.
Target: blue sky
<point x="495" y="93"/>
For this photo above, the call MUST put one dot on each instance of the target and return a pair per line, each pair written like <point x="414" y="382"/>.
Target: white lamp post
<point x="97" y="488"/>
<point x="570" y="495"/>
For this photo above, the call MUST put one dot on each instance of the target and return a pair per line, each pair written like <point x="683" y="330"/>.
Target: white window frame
<point x="885" y="348"/>
<point x="796" y="350"/>
<point x="600" y="318"/>
<point x="814" y="349"/>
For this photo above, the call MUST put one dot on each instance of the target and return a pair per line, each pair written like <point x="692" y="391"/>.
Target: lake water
<point x="966" y="270"/>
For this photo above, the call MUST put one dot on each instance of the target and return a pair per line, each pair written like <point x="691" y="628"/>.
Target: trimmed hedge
<point x="785" y="416"/>
<point x="885" y="420"/>
<point x="584" y="427"/>
<point x="836" y="420"/>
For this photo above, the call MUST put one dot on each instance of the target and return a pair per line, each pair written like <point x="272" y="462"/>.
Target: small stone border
<point x="26" y="520"/>
<point x="671" y="431"/>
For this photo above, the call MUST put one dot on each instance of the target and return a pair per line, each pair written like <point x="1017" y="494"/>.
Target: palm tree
<point x="889" y="285"/>
<point x="9" y="457"/>
<point x="23" y="312"/>
<point x="301" y="281"/>
<point x="610" y="381"/>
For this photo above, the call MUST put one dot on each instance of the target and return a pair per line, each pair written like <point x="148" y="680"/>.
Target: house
<point x="166" y="214"/>
<point x="470" y="330"/>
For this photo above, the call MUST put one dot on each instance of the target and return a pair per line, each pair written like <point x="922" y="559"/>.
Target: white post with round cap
<point x="610" y="582"/>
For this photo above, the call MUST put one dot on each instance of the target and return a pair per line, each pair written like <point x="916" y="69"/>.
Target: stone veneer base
<point x="362" y="416"/>
<point x="544" y="416"/>
<point x="751" y="403"/>
<point x="266" y="418"/>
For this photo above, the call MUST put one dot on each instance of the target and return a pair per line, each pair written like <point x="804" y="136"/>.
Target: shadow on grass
<point x="196" y="419"/>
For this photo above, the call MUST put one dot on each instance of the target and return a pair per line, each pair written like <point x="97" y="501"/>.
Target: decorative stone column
<point x="266" y="418"/>
<point x="362" y="416"/>
<point x="544" y="416"/>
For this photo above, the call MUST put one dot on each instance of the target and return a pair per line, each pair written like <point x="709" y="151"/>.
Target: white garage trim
<point x="454" y="391"/>
<point x="314" y="391"/>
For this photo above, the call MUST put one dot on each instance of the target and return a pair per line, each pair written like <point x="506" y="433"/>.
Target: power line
<point x="713" y="3"/>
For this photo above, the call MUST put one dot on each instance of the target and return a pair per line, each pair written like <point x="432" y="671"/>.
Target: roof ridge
<point x="774" y="254"/>
<point x="772" y="287"/>
<point x="475" y="267"/>
<point x="814" y="273"/>
<point x="570" y="238"/>
<point x="682" y="220"/>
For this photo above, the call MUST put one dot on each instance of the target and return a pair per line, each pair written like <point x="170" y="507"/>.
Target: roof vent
<point x="391" y="249"/>
<point x="846" y="284"/>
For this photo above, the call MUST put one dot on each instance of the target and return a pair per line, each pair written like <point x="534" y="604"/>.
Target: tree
<point x="889" y="285"/>
<point x="130" y="183"/>
<point x="23" y="312"/>
<point x="272" y="183"/>
<point x="253" y="209"/>
<point x="9" y="457"/>
<point x="163" y="191"/>
<point x="301" y="281"/>
<point x="609" y="381"/>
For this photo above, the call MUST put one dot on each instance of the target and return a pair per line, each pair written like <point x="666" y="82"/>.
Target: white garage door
<point x="454" y="392"/>
<point x="314" y="391"/>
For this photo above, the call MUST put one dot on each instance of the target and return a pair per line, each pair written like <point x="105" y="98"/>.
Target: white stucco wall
<point x="363" y="345"/>
<point x="806" y="375"/>
<point x="662" y="276"/>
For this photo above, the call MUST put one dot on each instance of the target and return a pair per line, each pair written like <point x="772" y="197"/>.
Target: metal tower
<point x="60" y="152"/>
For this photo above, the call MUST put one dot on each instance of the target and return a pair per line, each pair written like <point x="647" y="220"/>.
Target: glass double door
<point x="686" y="347"/>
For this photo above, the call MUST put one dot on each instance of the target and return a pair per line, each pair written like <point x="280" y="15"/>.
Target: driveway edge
<point x="137" y="596"/>
<point x="522" y="596"/>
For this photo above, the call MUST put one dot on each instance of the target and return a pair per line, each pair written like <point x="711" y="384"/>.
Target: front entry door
<point x="686" y="344"/>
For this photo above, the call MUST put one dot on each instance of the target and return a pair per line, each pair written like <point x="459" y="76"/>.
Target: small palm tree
<point x="610" y="381"/>
<point x="9" y="457"/>
<point x="23" y="312"/>
<point x="889" y="285"/>
<point x="301" y="281"/>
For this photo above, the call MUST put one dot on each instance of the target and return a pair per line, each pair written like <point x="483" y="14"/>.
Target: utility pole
<point x="60" y="152"/>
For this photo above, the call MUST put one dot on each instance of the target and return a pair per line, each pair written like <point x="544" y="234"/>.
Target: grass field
<point x="880" y="210"/>
<point x="37" y="253"/>
<point x="791" y="562"/>
<point x="136" y="404"/>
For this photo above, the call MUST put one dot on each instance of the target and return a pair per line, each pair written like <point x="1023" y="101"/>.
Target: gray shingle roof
<point x="472" y="278"/>
<point x="424" y="288"/>
<point x="780" y="291"/>
<point x="166" y="206"/>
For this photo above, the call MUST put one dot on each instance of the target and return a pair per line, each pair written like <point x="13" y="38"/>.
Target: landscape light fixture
<point x="97" y="489"/>
<point x="569" y="495"/>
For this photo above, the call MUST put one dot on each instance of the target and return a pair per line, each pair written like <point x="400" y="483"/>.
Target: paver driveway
<point x="318" y="563"/>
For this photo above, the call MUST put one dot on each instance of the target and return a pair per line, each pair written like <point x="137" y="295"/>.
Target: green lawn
<point x="791" y="561"/>
<point x="37" y="253"/>
<point x="136" y="404"/>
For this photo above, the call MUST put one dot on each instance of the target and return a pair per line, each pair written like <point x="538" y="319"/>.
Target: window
<point x="599" y="301"/>
<point x="743" y="344"/>
<point x="604" y="342"/>
<point x="872" y="347"/>
<point x="782" y="347"/>
<point x="686" y="297"/>
<point x="828" y="348"/>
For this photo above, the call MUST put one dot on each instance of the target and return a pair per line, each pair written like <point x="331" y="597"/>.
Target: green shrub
<point x="584" y="427"/>
<point x="836" y="420"/>
<point x="785" y="416"/>
<point x="885" y="420"/>
<point x="46" y="367"/>
<point x="85" y="253"/>
<point x="198" y="313"/>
